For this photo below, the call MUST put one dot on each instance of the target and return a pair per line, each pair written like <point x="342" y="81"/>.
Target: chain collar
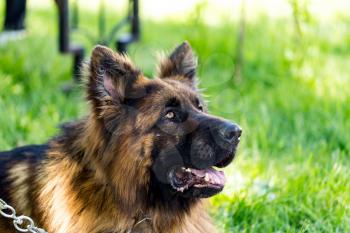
<point x="21" y="223"/>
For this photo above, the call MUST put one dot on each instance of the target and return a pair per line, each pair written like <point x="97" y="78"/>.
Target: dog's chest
<point x="144" y="227"/>
<point x="141" y="228"/>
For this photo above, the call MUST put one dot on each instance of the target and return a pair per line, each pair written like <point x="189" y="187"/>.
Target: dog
<point x="141" y="161"/>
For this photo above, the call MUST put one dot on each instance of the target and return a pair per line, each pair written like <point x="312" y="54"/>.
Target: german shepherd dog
<point x="142" y="161"/>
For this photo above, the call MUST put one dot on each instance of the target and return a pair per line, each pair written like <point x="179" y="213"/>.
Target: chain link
<point x="21" y="223"/>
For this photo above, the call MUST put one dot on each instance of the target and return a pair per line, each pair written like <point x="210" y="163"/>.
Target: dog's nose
<point x="230" y="132"/>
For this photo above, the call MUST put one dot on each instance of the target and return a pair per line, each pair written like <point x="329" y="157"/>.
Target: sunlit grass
<point x="292" y="170"/>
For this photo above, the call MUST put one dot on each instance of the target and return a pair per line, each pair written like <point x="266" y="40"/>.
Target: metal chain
<point x="21" y="223"/>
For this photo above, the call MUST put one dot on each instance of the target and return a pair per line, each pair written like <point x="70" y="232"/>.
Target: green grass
<point x="293" y="169"/>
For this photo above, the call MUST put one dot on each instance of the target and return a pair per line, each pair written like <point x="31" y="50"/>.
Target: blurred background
<point x="279" y="68"/>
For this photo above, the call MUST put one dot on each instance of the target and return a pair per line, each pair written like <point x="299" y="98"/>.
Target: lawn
<point x="292" y="173"/>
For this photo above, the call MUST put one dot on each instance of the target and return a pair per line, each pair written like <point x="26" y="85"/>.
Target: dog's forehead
<point x="168" y="88"/>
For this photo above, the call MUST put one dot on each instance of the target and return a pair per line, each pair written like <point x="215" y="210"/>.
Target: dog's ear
<point x="111" y="76"/>
<point x="181" y="65"/>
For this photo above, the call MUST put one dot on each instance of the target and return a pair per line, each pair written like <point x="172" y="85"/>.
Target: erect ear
<point x="180" y="65"/>
<point x="111" y="76"/>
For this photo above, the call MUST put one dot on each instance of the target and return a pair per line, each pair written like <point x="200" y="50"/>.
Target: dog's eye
<point x="200" y="107"/>
<point x="170" y="115"/>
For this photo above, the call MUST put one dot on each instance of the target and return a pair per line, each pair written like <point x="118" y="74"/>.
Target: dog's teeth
<point x="207" y="178"/>
<point x="188" y="170"/>
<point x="182" y="189"/>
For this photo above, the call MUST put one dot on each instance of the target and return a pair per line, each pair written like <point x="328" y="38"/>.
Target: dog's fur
<point x="103" y="174"/>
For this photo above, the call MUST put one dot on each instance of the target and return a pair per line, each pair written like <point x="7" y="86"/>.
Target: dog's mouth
<point x="201" y="183"/>
<point x="183" y="179"/>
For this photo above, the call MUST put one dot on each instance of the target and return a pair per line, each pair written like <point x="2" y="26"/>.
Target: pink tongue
<point x="211" y="176"/>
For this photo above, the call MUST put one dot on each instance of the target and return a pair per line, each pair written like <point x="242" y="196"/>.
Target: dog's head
<point x="159" y="132"/>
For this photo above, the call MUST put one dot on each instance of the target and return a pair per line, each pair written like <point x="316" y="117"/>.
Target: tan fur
<point x="62" y="206"/>
<point x="19" y="175"/>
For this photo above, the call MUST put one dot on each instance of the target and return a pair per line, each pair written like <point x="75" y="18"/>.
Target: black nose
<point x="230" y="132"/>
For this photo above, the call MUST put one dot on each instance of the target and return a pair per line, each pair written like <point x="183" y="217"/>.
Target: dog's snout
<point x="230" y="132"/>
